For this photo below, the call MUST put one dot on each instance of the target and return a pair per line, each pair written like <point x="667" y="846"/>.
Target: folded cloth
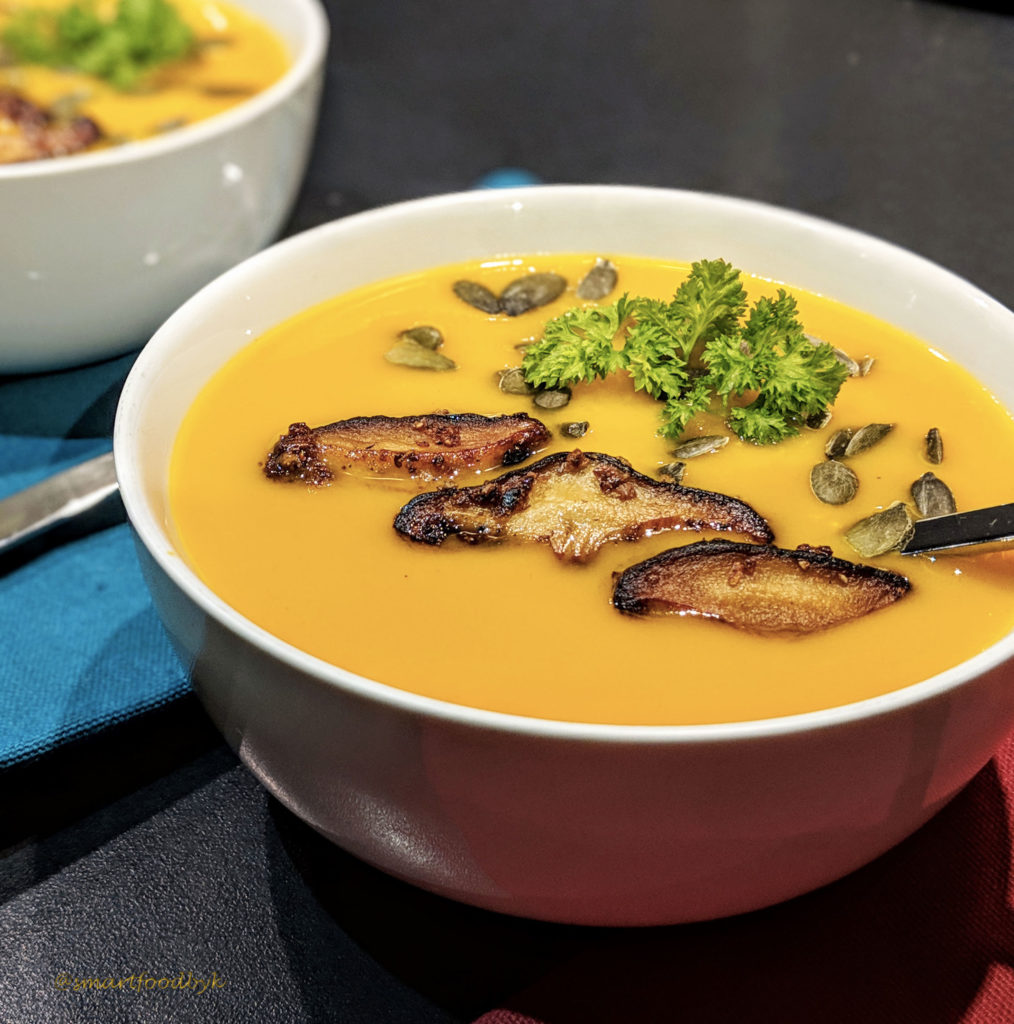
<point x="80" y="644"/>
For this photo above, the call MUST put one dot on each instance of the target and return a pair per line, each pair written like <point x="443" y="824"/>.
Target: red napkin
<point x="924" y="935"/>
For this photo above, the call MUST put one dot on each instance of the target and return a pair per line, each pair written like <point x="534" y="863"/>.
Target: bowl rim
<point x="159" y="546"/>
<point x="305" y="63"/>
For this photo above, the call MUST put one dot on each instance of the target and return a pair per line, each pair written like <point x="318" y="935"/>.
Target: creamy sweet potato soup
<point x="232" y="57"/>
<point x="511" y="627"/>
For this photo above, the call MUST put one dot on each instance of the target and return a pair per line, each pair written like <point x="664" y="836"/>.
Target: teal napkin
<point x="80" y="644"/>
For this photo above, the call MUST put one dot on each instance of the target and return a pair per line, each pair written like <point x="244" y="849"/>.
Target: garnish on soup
<point x="694" y="350"/>
<point x="761" y="589"/>
<point x="27" y="132"/>
<point x="433" y="446"/>
<point x="120" y="46"/>
<point x="129" y="69"/>
<point x="575" y="502"/>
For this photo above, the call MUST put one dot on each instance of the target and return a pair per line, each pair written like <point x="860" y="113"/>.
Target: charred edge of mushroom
<point x="41" y="133"/>
<point x="297" y="456"/>
<point x="432" y="517"/>
<point x="312" y="455"/>
<point x="641" y="589"/>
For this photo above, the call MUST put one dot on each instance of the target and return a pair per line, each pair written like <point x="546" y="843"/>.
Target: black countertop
<point x="891" y="116"/>
<point x="149" y="848"/>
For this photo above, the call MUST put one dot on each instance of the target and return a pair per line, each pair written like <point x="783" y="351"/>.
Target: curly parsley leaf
<point x="650" y="351"/>
<point x="139" y="36"/>
<point x="708" y="303"/>
<point x="679" y="410"/>
<point x="793" y="378"/>
<point x="577" y="346"/>
<point x="694" y="350"/>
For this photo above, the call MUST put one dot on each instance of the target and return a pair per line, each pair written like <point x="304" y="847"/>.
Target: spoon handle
<point x="56" y="500"/>
<point x="984" y="529"/>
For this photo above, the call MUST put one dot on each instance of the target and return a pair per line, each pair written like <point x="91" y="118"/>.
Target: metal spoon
<point x="985" y="529"/>
<point x="58" y="499"/>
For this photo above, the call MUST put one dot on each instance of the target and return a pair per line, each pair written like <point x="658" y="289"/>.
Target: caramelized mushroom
<point x="427" y="447"/>
<point x="574" y="502"/>
<point x="28" y="132"/>
<point x="762" y="589"/>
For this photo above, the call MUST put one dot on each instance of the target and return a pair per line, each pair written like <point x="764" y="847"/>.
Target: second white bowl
<point x="100" y="247"/>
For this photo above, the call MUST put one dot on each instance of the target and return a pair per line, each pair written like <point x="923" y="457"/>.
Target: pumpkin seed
<point x="552" y="398"/>
<point x="866" y="437"/>
<point x="847" y="361"/>
<point x="933" y="497"/>
<point x="477" y="295"/>
<point x="425" y="335"/>
<point x="934" y="450"/>
<point x="865" y="365"/>
<point x="531" y="291"/>
<point x="576" y="429"/>
<point x="512" y="382"/>
<point x="833" y="482"/>
<point x="703" y="445"/>
<point x="819" y="420"/>
<point x="887" y="530"/>
<point x="837" y="443"/>
<point x="675" y="470"/>
<point x="599" y="281"/>
<point x="843" y="357"/>
<point x="406" y="352"/>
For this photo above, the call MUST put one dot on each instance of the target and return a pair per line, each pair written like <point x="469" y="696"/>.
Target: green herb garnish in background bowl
<point x="696" y="351"/>
<point x="122" y="48"/>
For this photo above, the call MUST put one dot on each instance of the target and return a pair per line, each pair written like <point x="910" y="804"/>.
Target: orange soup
<point x="234" y="56"/>
<point x="511" y="628"/>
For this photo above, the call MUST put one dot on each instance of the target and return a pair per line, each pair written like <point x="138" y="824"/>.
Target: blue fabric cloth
<point x="80" y="643"/>
<point x="508" y="177"/>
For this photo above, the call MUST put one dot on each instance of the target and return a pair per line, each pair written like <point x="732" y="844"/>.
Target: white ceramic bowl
<point x="99" y="248"/>
<point x="564" y="821"/>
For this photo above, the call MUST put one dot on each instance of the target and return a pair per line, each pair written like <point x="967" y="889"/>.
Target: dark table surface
<point x="148" y="847"/>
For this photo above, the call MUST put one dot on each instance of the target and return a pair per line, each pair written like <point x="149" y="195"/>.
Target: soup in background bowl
<point x="105" y="243"/>
<point x="63" y="92"/>
<point x="596" y="820"/>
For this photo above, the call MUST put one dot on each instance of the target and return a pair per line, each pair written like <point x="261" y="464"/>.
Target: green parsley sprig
<point x="138" y="37"/>
<point x="696" y="352"/>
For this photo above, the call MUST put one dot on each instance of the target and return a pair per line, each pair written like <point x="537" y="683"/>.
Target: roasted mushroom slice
<point x="434" y="446"/>
<point x="762" y="589"/>
<point x="28" y="132"/>
<point x="575" y="502"/>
